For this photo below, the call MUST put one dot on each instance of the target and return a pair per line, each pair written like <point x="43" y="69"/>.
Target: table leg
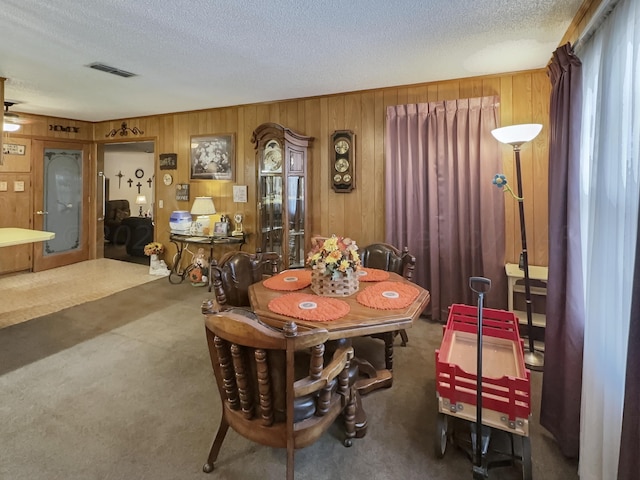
<point x="361" y="418"/>
<point x="175" y="268"/>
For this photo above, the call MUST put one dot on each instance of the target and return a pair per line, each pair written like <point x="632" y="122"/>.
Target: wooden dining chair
<point x="274" y="386"/>
<point x="384" y="256"/>
<point x="235" y="272"/>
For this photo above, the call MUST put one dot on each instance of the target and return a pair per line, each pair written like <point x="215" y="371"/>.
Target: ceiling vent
<point x="113" y="70"/>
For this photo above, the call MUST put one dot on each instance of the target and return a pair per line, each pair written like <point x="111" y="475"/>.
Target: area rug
<point x="29" y="295"/>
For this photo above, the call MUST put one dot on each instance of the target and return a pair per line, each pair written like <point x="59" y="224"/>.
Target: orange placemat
<point x="366" y="274"/>
<point x="388" y="295"/>
<point x="307" y="306"/>
<point x="289" y="280"/>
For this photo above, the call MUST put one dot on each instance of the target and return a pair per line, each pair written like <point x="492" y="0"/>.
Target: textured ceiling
<point x="190" y="55"/>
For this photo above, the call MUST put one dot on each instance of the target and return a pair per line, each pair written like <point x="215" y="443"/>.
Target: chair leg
<point x="350" y="419"/>
<point x="404" y="337"/>
<point x="290" y="463"/>
<point x="215" y="447"/>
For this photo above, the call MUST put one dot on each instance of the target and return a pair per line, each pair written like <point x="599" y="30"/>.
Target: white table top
<point x="18" y="236"/>
<point x="535" y="272"/>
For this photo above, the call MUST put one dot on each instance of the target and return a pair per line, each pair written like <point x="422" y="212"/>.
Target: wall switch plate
<point x="3" y="186"/>
<point x="18" y="186"/>
<point x="160" y="204"/>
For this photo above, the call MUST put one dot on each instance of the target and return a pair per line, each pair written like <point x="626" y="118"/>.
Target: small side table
<point x="182" y="241"/>
<point x="541" y="274"/>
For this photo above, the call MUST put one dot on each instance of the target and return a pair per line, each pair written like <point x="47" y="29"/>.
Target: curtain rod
<point x="602" y="12"/>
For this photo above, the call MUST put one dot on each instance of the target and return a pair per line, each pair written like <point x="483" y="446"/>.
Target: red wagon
<point x="504" y="386"/>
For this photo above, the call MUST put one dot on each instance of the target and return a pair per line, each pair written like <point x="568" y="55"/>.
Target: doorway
<point x="129" y="191"/>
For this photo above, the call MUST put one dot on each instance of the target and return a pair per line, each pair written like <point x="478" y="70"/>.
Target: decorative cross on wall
<point x="119" y="175"/>
<point x="138" y="185"/>
<point x="129" y="182"/>
<point x="149" y="182"/>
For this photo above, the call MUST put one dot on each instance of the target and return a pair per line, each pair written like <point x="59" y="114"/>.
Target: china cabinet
<point x="283" y="206"/>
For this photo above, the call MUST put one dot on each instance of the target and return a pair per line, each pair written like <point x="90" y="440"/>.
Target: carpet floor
<point x="29" y="295"/>
<point x="122" y="388"/>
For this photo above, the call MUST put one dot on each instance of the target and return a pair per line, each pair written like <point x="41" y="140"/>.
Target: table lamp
<point x="141" y="200"/>
<point x="516" y="136"/>
<point x="202" y="207"/>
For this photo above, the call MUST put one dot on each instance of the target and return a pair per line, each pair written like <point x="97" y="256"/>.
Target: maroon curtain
<point x="629" y="462"/>
<point x="564" y="333"/>
<point x="440" y="200"/>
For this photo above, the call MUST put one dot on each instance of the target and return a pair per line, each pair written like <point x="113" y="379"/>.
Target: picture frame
<point x="182" y="192"/>
<point x="213" y="157"/>
<point x="221" y="229"/>
<point x="168" y="161"/>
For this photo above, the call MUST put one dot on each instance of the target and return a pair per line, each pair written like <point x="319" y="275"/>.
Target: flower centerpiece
<point x="334" y="262"/>
<point x="153" y="248"/>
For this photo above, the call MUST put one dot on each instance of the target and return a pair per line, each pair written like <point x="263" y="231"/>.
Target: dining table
<point x="385" y="302"/>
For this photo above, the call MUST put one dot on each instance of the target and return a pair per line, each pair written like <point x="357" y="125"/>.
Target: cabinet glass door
<point x="296" y="215"/>
<point x="271" y="213"/>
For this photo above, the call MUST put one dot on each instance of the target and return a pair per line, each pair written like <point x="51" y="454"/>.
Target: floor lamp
<point x="516" y="136"/>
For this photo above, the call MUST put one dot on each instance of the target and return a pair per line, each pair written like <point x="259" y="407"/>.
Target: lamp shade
<point x="141" y="200"/>
<point x="517" y="134"/>
<point x="203" y="206"/>
<point x="10" y="127"/>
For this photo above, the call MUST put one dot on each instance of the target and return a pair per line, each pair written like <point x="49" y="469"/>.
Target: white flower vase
<point x="157" y="266"/>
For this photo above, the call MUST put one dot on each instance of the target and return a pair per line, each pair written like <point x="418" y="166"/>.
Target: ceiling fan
<point x="13" y="121"/>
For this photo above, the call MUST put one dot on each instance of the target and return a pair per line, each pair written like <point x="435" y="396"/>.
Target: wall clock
<point x="167" y="179"/>
<point x="342" y="162"/>
<point x="139" y="173"/>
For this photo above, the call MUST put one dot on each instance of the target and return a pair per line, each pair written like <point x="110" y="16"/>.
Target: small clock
<point x="343" y="161"/>
<point x="167" y="179"/>
<point x="272" y="159"/>
<point x="342" y="164"/>
<point x="139" y="173"/>
<point x="341" y="146"/>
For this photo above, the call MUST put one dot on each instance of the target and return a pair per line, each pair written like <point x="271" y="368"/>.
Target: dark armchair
<point x="139" y="232"/>
<point x="115" y="212"/>
<point x="387" y="257"/>
<point x="275" y="387"/>
<point x="236" y="271"/>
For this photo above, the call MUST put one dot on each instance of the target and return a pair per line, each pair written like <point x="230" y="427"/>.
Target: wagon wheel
<point x="440" y="442"/>
<point x="527" y="474"/>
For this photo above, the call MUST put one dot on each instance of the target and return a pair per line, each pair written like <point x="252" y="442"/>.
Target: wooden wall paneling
<point x="449" y="90"/>
<point x="16" y="210"/>
<point x="366" y="180"/>
<point x="353" y="201"/>
<point x="319" y="193"/>
<point x="491" y="86"/>
<point x="512" y="228"/>
<point x="402" y="95"/>
<point x="523" y="113"/>
<point x="312" y="115"/>
<point x="417" y="94"/>
<point x="337" y="216"/>
<point x="540" y="99"/>
<point x="382" y="100"/>
<point x="471" y="87"/>
<point x="432" y="92"/>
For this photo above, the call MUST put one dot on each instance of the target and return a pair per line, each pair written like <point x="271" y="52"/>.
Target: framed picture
<point x="168" y="161"/>
<point x="213" y="157"/>
<point x="221" y="228"/>
<point x="182" y="192"/>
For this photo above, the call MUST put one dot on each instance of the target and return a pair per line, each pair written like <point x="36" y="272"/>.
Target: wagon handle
<point x="479" y="284"/>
